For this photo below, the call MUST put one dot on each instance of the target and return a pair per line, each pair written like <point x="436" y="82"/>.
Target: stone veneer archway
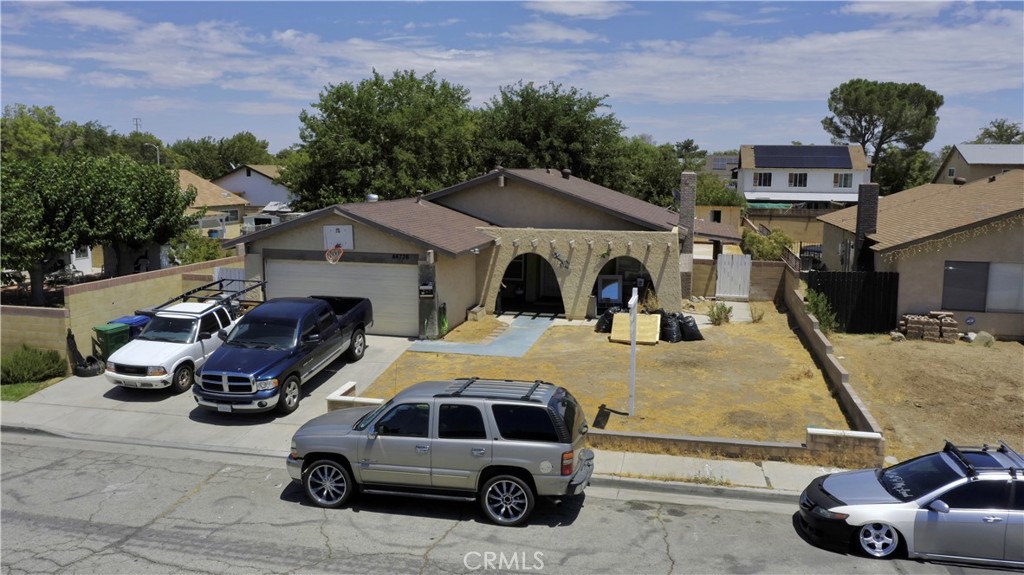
<point x="577" y="257"/>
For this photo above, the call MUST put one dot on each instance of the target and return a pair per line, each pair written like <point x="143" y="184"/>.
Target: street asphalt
<point x="92" y="408"/>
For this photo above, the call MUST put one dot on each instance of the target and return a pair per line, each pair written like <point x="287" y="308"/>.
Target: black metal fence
<point x="864" y="302"/>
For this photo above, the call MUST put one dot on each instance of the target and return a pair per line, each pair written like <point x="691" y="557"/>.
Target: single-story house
<point x="224" y="209"/>
<point x="977" y="161"/>
<point x="509" y="240"/>
<point x="957" y="248"/>
<point x="255" y="183"/>
<point x="817" y="176"/>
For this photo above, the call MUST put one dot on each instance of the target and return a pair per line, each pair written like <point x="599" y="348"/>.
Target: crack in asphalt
<point x="664" y="537"/>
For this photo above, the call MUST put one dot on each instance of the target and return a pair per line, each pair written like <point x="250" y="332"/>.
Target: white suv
<point x="501" y="442"/>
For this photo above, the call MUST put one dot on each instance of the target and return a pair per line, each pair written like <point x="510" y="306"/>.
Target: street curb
<point x="264" y="453"/>
<point x="685" y="488"/>
<point x="597" y="480"/>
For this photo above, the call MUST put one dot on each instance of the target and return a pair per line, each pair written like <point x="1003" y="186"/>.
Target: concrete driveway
<point x="94" y="407"/>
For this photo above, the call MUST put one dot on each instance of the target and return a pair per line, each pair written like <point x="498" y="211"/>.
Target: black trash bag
<point x="688" y="326"/>
<point x="670" y="330"/>
<point x="604" y="323"/>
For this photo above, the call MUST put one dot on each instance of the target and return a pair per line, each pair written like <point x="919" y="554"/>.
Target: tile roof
<point x="607" y="200"/>
<point x="207" y="192"/>
<point x="1008" y="154"/>
<point x="936" y="210"/>
<point x="422" y="222"/>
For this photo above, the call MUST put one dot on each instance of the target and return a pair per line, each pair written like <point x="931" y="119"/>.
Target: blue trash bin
<point x="135" y="324"/>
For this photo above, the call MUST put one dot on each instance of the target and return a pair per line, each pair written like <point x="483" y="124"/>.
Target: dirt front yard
<point x="756" y="381"/>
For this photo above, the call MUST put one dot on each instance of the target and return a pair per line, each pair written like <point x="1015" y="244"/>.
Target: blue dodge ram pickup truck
<point x="276" y="348"/>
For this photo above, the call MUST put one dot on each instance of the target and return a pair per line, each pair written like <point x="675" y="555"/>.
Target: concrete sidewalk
<point x="92" y="408"/>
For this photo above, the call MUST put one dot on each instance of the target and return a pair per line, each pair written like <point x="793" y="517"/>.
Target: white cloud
<point x="896" y="10"/>
<point x="738" y="18"/>
<point x="539" y="31"/>
<point x="264" y="109"/>
<point x="35" y="69"/>
<point x="107" y="80"/>
<point x="78" y="15"/>
<point x="580" y="9"/>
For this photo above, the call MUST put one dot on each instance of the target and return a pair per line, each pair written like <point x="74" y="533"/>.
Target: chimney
<point x="566" y="173"/>
<point x="867" y="224"/>
<point x="959" y="180"/>
<point x="687" y="218"/>
<point x="372" y="197"/>
<point x="419" y="196"/>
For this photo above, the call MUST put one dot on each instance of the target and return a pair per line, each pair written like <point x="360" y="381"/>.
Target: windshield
<point x="265" y="333"/>
<point x="911" y="479"/>
<point x="172" y="329"/>
<point x="366" y="419"/>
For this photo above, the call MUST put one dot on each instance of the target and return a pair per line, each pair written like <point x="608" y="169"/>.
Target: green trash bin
<point x="109" y="337"/>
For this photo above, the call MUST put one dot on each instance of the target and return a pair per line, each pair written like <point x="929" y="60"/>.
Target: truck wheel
<point x="182" y="379"/>
<point x="327" y="483"/>
<point x="290" y="393"/>
<point x="358" y="347"/>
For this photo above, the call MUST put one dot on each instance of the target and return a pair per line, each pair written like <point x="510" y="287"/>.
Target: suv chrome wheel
<point x="507" y="500"/>
<point x="879" y="540"/>
<point x="328" y="483"/>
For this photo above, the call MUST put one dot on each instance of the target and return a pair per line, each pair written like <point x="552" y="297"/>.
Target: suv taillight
<point x="567" y="461"/>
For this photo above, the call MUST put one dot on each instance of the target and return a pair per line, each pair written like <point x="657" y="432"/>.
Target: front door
<point x="396" y="450"/>
<point x="975" y="525"/>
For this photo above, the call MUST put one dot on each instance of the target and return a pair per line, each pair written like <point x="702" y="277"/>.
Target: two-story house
<point x="978" y="161"/>
<point x="255" y="183"/>
<point x="816" y="176"/>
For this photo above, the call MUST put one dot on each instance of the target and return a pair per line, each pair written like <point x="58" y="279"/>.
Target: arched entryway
<point x="529" y="285"/>
<point x="616" y="280"/>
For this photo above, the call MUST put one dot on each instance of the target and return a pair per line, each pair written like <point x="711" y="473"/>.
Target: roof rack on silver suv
<point x="496" y="388"/>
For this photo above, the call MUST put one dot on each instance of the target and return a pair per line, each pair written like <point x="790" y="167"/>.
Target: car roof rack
<point x="491" y="388"/>
<point x="465" y="386"/>
<point x="533" y="388"/>
<point x="950" y="448"/>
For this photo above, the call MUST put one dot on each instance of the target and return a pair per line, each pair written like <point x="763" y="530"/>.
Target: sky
<point x="724" y="74"/>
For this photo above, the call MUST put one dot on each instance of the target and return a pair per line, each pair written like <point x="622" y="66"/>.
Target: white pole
<point x="632" y="351"/>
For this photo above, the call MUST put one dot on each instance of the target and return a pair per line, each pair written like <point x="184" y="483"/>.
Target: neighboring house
<point x="510" y="240"/>
<point x="816" y="176"/>
<point x="723" y="166"/>
<point x="976" y="161"/>
<point x="956" y="248"/>
<point x="255" y="183"/>
<point x="224" y="210"/>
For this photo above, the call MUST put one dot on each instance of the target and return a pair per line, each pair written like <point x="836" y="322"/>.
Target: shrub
<point x="29" y="365"/>
<point x="756" y="313"/>
<point x="819" y="307"/>
<point x="765" y="248"/>
<point x="719" y="313"/>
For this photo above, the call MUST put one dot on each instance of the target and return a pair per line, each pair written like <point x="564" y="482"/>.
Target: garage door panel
<point x="391" y="288"/>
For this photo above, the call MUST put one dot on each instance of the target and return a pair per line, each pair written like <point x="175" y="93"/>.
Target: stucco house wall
<point x="457" y="285"/>
<point x="255" y="187"/>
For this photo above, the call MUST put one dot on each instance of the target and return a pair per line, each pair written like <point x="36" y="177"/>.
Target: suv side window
<point x="1018" y="496"/>
<point x="460" y="422"/>
<point x="208" y="323"/>
<point x="979" y="495"/>
<point x="524" y="422"/>
<point x="408" y="419"/>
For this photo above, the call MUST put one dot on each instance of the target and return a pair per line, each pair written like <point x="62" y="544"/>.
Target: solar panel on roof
<point x="823" y="157"/>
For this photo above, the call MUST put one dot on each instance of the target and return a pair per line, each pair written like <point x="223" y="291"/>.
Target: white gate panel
<point x="733" y="277"/>
<point x="391" y="288"/>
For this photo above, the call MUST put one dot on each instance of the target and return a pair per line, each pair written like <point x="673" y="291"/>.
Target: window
<point x="208" y="324"/>
<point x="460" y="422"/>
<point x="762" y="179"/>
<point x="842" y="180"/>
<point x="983" y="286"/>
<point x="716" y="216"/>
<point x="1018" y="496"/>
<point x="248" y="172"/>
<point x="916" y="477"/>
<point x="798" y="179"/>
<point x="222" y="315"/>
<point x="950" y="172"/>
<point x="408" y="419"/>
<point x="232" y="215"/>
<point x="81" y="252"/>
<point x="524" y="422"/>
<point x="979" y="495"/>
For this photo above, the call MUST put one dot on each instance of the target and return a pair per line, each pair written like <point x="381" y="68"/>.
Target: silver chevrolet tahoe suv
<point x="502" y="442"/>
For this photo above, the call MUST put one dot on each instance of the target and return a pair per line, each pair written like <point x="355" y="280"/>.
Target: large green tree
<point x="385" y="136"/>
<point x="526" y="126"/>
<point x="43" y="216"/>
<point x="643" y="170"/>
<point x="881" y="117"/>
<point x="902" y="170"/>
<point x="1000" y="131"/>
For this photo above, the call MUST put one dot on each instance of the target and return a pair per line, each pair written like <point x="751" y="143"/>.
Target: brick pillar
<point x="687" y="217"/>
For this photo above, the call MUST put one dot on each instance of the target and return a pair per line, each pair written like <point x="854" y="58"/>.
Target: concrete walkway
<point x="92" y="408"/>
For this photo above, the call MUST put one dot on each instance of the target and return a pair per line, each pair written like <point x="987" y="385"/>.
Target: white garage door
<point x="391" y="288"/>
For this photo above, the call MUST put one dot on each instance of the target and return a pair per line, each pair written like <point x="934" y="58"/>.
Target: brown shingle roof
<point x="207" y="192"/>
<point x="269" y="170"/>
<point x="422" y="222"/>
<point x="936" y="210"/>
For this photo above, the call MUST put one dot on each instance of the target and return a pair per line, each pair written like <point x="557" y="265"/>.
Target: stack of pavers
<point x="936" y="326"/>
